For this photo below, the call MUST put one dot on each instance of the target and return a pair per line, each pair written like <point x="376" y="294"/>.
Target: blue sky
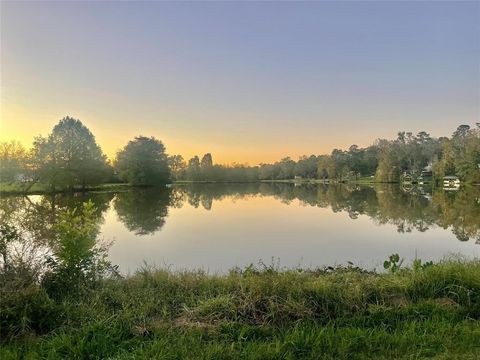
<point x="248" y="82"/>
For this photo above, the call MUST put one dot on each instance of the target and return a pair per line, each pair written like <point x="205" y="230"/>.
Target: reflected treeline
<point x="141" y="211"/>
<point x="34" y="216"/>
<point x="144" y="211"/>
<point x="461" y="211"/>
<point x="197" y="194"/>
<point x="408" y="209"/>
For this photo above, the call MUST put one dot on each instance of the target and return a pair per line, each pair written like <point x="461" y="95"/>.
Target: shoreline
<point x="39" y="189"/>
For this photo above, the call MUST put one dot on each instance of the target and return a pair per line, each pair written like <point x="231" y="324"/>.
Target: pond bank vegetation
<point x="254" y="313"/>
<point x="77" y="305"/>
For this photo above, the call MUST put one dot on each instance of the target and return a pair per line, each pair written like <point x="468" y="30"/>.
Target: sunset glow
<point x="237" y="79"/>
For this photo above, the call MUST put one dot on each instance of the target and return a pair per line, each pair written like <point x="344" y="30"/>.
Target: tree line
<point x="69" y="157"/>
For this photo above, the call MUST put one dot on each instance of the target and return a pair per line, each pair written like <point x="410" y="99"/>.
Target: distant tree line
<point x="383" y="161"/>
<point x="69" y="157"/>
<point x="204" y="169"/>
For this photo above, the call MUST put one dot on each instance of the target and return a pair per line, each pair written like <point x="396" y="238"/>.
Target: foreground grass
<point x="343" y="313"/>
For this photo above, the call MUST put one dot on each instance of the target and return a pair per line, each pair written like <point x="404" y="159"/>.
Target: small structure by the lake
<point x="407" y="179"/>
<point x="410" y="178"/>
<point x="451" y="182"/>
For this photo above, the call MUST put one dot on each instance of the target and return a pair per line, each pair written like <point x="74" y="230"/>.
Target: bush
<point x="78" y="260"/>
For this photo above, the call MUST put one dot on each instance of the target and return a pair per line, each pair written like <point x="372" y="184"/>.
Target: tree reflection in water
<point x="416" y="208"/>
<point x="144" y="211"/>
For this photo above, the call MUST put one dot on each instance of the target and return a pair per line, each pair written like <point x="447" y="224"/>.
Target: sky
<point x="249" y="82"/>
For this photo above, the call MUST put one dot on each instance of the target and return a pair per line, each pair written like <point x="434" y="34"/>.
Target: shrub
<point x="78" y="260"/>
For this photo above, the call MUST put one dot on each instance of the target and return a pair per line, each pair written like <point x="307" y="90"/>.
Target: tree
<point x="207" y="171"/>
<point x="78" y="260"/>
<point x="207" y="161"/>
<point x="69" y="156"/>
<point x="460" y="155"/>
<point x="461" y="132"/>
<point x="143" y="162"/>
<point x="467" y="160"/>
<point x="268" y="172"/>
<point x="322" y="166"/>
<point x="388" y="164"/>
<point x="339" y="164"/>
<point x="13" y="159"/>
<point x="287" y="167"/>
<point x="306" y="167"/>
<point x="178" y="166"/>
<point x="193" y="168"/>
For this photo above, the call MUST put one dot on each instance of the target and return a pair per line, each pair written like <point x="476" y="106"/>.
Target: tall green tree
<point x="460" y="155"/>
<point x="306" y="167"/>
<point x="388" y="165"/>
<point x="69" y="156"/>
<point x="322" y="166"/>
<point x="178" y="166"/>
<point x="207" y="171"/>
<point x="193" y="168"/>
<point x="143" y="161"/>
<point x="207" y="161"/>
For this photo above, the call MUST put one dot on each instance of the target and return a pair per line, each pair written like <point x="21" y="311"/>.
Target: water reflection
<point x="416" y="209"/>
<point x="34" y="216"/>
<point x="145" y="211"/>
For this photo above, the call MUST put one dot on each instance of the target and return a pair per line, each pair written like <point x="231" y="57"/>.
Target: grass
<point x="341" y="313"/>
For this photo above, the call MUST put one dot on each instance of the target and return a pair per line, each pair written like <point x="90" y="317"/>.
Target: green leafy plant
<point x="393" y="264"/>
<point x="418" y="266"/>
<point x="8" y="234"/>
<point x="78" y="260"/>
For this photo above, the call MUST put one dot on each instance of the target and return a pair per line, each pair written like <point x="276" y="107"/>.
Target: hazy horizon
<point x="247" y="82"/>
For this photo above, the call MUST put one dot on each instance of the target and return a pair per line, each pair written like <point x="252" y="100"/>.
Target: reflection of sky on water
<point x="239" y="231"/>
<point x="218" y="226"/>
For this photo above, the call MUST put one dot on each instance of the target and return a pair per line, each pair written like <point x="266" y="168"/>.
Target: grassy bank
<point x="344" y="313"/>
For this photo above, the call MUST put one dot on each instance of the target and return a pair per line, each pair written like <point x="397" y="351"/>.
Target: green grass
<point x="346" y="313"/>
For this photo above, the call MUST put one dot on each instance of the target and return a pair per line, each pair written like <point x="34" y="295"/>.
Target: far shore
<point x="41" y="189"/>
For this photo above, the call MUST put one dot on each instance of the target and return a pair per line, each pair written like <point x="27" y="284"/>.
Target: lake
<point x="216" y="227"/>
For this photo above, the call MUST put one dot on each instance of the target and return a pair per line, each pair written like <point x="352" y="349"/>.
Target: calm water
<point x="218" y="226"/>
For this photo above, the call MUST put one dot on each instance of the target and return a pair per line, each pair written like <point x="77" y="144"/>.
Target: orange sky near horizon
<point x="112" y="131"/>
<point x="237" y="147"/>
